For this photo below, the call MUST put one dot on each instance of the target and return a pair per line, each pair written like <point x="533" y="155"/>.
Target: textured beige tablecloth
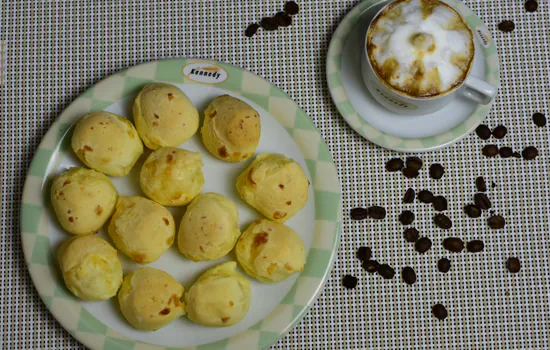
<point x="55" y="50"/>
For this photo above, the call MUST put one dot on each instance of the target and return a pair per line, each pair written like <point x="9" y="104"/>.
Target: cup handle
<point x="478" y="90"/>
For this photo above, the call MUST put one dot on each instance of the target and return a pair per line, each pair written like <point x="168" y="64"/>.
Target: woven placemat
<point x="55" y="50"/>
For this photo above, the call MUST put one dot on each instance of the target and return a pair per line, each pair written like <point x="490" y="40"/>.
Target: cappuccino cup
<point x="417" y="57"/>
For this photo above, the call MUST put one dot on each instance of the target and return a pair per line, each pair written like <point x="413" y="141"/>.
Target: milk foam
<point x="420" y="51"/>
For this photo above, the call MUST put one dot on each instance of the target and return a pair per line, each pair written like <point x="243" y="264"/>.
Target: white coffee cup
<point x="399" y="102"/>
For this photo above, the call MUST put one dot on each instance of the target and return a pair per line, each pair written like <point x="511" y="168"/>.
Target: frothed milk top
<point x="420" y="47"/>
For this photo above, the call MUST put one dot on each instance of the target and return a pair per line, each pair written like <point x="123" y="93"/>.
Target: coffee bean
<point x="370" y="265"/>
<point x="482" y="201"/>
<point x="529" y="153"/>
<point x="251" y="30"/>
<point x="505" y="152"/>
<point x="394" y="164"/>
<point x="489" y="151"/>
<point x="386" y="271"/>
<point x="364" y="253"/>
<point x="406" y="217"/>
<point x="516" y="155"/>
<point x="423" y="245"/>
<point x="444" y="265"/>
<point x="513" y="265"/>
<point x="282" y="19"/>
<point x="410" y="234"/>
<point x="408" y="274"/>
<point x="493" y="184"/>
<point x="291" y="8"/>
<point x="500" y="131"/>
<point x="425" y="196"/>
<point x="439" y="311"/>
<point x="472" y="211"/>
<point x="475" y="246"/>
<point x="268" y="23"/>
<point x="410" y="173"/>
<point x="531" y="6"/>
<point x="539" y="119"/>
<point x="453" y="244"/>
<point x="436" y="171"/>
<point x="414" y="162"/>
<point x="443" y="221"/>
<point x="483" y="132"/>
<point x="480" y="184"/>
<point x="506" y="26"/>
<point x="358" y="213"/>
<point x="496" y="222"/>
<point x="439" y="203"/>
<point x="349" y="282"/>
<point x="409" y="196"/>
<point x="377" y="212"/>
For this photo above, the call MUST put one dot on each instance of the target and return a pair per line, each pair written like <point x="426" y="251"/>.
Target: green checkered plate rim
<point x="353" y="118"/>
<point x="39" y="254"/>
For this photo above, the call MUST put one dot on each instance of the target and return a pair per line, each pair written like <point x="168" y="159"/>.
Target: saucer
<point x="402" y="132"/>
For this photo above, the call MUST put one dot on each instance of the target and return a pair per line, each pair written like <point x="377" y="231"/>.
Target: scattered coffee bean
<point x="282" y="19"/>
<point x="516" y="155"/>
<point x="410" y="234"/>
<point x="453" y="244"/>
<point x="496" y="222"/>
<point x="386" y="271"/>
<point x="482" y="201"/>
<point x="529" y="153"/>
<point x="358" y="213"/>
<point x="480" y="184"/>
<point x="472" y="211"/>
<point x="475" y="246"/>
<point x="349" y="281"/>
<point x="268" y="23"/>
<point x="423" y="245"/>
<point x="506" y="26"/>
<point x="531" y="6"/>
<point x="439" y="203"/>
<point x="291" y="8"/>
<point x="500" y="131"/>
<point x="539" y="119"/>
<point x="490" y="151"/>
<point x="443" y="221"/>
<point x="394" y="164"/>
<point x="251" y="30"/>
<point x="406" y="217"/>
<point x="408" y="274"/>
<point x="364" y="253"/>
<point x="436" y="171"/>
<point x="444" y="265"/>
<point x="505" y="152"/>
<point x="409" y="196"/>
<point x="414" y="162"/>
<point x="493" y="184"/>
<point x="376" y="212"/>
<point x="410" y="173"/>
<point x="370" y="266"/>
<point x="439" y="311"/>
<point x="425" y="196"/>
<point x="483" y="132"/>
<point x="513" y="265"/>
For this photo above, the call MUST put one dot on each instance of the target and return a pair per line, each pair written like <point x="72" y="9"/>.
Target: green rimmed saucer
<point x="380" y="126"/>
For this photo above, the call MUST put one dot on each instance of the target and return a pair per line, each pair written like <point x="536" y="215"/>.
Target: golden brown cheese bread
<point x="83" y="200"/>
<point x="270" y="252"/>
<point x="90" y="267"/>
<point x="219" y="298"/>
<point x="107" y="142"/>
<point x="231" y="129"/>
<point x="164" y="116"/>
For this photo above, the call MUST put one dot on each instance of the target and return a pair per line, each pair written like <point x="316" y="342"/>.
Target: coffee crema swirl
<point x="421" y="48"/>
